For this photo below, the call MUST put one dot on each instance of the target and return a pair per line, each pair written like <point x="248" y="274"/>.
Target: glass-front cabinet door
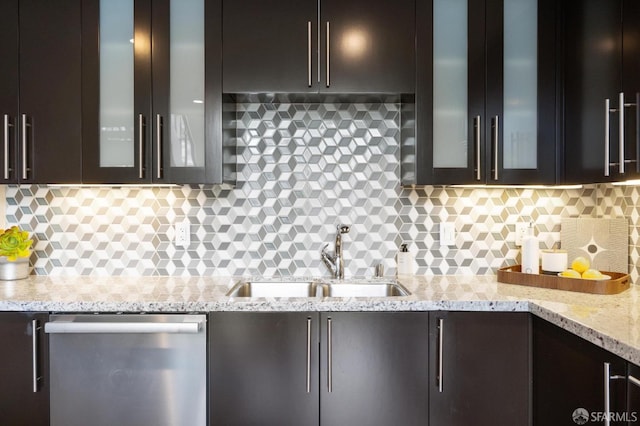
<point x="520" y="125"/>
<point x="144" y="92"/>
<point x="491" y="114"/>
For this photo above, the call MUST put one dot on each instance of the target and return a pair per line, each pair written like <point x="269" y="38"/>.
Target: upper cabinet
<point x="486" y="93"/>
<point x="152" y="107"/>
<point x="310" y="46"/>
<point x="40" y="91"/>
<point x="602" y="90"/>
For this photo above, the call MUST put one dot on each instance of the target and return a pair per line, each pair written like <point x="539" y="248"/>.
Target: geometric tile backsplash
<point x="303" y="168"/>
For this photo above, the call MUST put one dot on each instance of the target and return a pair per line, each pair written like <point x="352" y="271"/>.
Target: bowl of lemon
<point x="581" y="268"/>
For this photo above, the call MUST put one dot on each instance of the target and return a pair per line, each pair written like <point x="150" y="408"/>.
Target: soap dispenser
<point x="530" y="252"/>
<point x="405" y="261"/>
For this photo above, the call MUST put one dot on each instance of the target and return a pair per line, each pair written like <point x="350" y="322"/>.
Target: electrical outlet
<point x="521" y="232"/>
<point x="447" y="234"/>
<point x="183" y="234"/>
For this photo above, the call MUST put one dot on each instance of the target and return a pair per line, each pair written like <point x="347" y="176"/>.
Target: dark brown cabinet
<point x="373" y="369"/>
<point x="480" y="368"/>
<point x="569" y="378"/>
<point x="486" y="95"/>
<point x="264" y="368"/>
<point x="633" y="393"/>
<point x="152" y="106"/>
<point x="352" y="46"/>
<point x="40" y="92"/>
<point x="24" y="389"/>
<point x="310" y="368"/>
<point x="601" y="90"/>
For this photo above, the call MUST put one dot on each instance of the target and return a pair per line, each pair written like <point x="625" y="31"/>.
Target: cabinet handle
<point x="140" y="146"/>
<point x="607" y="391"/>
<point x="637" y="105"/>
<point x="308" y="355"/>
<point x="309" y="82"/>
<point x="621" y="133"/>
<point x="607" y="137"/>
<point x="440" y="354"/>
<point x="25" y="124"/>
<point x="35" y="327"/>
<point x="328" y="56"/>
<point x="476" y="127"/>
<point x="495" y="136"/>
<point x="329" y="355"/>
<point x="7" y="125"/>
<point x="159" y="146"/>
<point x="634" y="381"/>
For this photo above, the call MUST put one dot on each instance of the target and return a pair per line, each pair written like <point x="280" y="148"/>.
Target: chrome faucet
<point x="335" y="261"/>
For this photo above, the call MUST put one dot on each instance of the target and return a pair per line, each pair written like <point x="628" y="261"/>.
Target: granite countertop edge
<point x="611" y="321"/>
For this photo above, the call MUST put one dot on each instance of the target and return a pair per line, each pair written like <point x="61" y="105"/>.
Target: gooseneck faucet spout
<point x="335" y="261"/>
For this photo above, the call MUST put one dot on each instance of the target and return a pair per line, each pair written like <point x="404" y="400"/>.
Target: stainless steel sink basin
<point x="275" y="289"/>
<point x="365" y="289"/>
<point x="316" y="288"/>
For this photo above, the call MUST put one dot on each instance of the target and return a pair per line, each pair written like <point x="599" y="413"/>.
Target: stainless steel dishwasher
<point x="144" y="369"/>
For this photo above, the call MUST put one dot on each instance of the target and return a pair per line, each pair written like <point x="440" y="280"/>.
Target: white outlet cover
<point x="183" y="234"/>
<point x="447" y="234"/>
<point x="521" y="232"/>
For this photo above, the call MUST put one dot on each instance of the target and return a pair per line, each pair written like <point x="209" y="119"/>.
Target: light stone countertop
<point x="611" y="322"/>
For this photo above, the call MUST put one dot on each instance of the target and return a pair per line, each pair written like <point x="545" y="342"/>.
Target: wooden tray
<point x="618" y="283"/>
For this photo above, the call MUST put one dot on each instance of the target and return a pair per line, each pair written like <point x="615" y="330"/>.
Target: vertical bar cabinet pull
<point x="329" y="355"/>
<point x="34" y="348"/>
<point x="140" y="146"/>
<point x="308" y="355"/>
<point x="158" y="146"/>
<point x="607" y="136"/>
<point x="440" y="353"/>
<point x="6" y="165"/>
<point x="476" y="127"/>
<point x="496" y="137"/>
<point x="25" y="124"/>
<point x="328" y="56"/>
<point x="621" y="134"/>
<point x="309" y="77"/>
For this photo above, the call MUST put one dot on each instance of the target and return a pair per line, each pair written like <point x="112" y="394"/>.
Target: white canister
<point x="554" y="261"/>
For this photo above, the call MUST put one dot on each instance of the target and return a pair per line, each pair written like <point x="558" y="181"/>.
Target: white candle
<point x="554" y="260"/>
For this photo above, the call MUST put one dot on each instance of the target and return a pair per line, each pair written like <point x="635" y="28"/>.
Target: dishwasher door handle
<point x="64" y="327"/>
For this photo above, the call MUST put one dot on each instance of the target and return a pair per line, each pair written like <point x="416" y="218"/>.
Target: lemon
<point x="592" y="274"/>
<point x="570" y="273"/>
<point x="580" y="264"/>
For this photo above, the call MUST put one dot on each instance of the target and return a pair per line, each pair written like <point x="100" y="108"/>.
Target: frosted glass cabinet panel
<point x="187" y="84"/>
<point x="116" y="83"/>
<point x="450" y="94"/>
<point x="520" y="136"/>
<point x="487" y="93"/>
<point x="145" y="92"/>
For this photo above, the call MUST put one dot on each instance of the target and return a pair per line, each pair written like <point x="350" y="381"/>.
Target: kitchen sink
<point x="364" y="289"/>
<point x="317" y="288"/>
<point x="275" y="289"/>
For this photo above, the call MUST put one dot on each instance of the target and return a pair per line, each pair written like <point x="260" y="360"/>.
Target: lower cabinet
<point x="24" y="392"/>
<point x="373" y="369"/>
<point x="264" y="368"/>
<point x="569" y="380"/>
<point x="480" y="368"/>
<point x="310" y="369"/>
<point x="633" y="394"/>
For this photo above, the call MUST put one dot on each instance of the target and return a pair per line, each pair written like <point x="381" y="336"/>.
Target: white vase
<point x="16" y="270"/>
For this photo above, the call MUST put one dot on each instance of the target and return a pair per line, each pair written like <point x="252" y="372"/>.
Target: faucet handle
<point x="344" y="229"/>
